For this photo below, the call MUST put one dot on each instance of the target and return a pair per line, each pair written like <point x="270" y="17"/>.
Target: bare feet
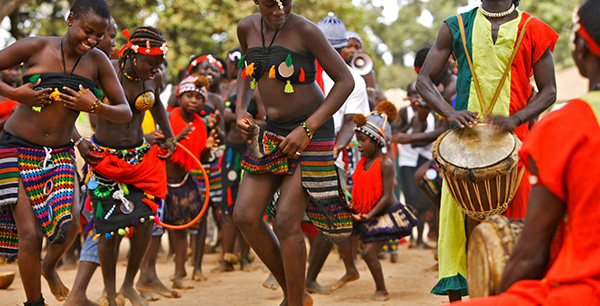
<point x="119" y="300"/>
<point x="133" y="297"/>
<point x="178" y="283"/>
<point x="58" y="289"/>
<point x="160" y="290"/>
<point x="271" y="283"/>
<point x="348" y="277"/>
<point x="380" y="296"/>
<point x="79" y="301"/>
<point x="149" y="296"/>
<point x="198" y="276"/>
<point x="316" y="288"/>
<point x="223" y="267"/>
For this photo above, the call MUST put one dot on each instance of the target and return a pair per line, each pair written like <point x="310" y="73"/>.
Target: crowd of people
<point x="285" y="140"/>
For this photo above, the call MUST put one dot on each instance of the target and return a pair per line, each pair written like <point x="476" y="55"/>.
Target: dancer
<point x="184" y="200"/>
<point x="128" y="177"/>
<point x="279" y="50"/>
<point x="88" y="256"/>
<point x="39" y="134"/>
<point x="489" y="51"/>
<point x="378" y="214"/>
<point x="563" y="202"/>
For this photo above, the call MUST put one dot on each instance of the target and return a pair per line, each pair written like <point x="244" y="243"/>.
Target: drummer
<point x="563" y="195"/>
<point x="490" y="50"/>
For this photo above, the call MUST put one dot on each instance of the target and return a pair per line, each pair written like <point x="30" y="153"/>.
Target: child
<point x="378" y="216"/>
<point x="184" y="199"/>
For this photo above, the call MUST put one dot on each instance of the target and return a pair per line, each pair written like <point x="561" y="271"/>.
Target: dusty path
<point x="408" y="283"/>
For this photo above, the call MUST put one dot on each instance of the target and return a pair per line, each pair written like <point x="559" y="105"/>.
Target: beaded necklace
<point x="127" y="75"/>
<point x="499" y="14"/>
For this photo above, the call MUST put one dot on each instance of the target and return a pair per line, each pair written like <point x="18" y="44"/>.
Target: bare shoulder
<point x="387" y="165"/>
<point x="248" y="22"/>
<point x="303" y="26"/>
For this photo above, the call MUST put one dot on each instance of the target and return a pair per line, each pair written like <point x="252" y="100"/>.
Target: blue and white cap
<point x="354" y="35"/>
<point x="334" y="30"/>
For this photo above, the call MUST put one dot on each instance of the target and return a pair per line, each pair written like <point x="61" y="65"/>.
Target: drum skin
<point x="489" y="248"/>
<point x="480" y="168"/>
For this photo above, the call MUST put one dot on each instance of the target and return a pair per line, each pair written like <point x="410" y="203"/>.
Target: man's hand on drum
<point x="504" y="123"/>
<point x="463" y="118"/>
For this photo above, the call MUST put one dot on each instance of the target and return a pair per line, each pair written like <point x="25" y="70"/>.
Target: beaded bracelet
<point x="78" y="141"/>
<point x="172" y="139"/>
<point x="94" y="106"/>
<point x="308" y="133"/>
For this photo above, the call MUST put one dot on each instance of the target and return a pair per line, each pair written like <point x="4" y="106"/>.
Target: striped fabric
<point x="327" y="209"/>
<point x="213" y="170"/>
<point x="50" y="192"/>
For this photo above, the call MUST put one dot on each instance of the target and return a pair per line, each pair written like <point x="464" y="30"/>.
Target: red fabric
<point x="309" y="229"/>
<point x="569" y="168"/>
<point x="368" y="186"/>
<point x="6" y="108"/>
<point x="319" y="76"/>
<point x="150" y="175"/>
<point x="196" y="141"/>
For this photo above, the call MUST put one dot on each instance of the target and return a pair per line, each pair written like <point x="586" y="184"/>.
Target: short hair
<point x="515" y="2"/>
<point x="588" y="14"/>
<point x="98" y="7"/>
<point x="421" y="56"/>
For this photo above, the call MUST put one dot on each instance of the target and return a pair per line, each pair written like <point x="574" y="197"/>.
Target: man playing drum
<point x="490" y="33"/>
<point x="564" y="194"/>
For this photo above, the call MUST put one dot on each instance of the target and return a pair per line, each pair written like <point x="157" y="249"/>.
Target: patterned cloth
<point x="231" y="174"/>
<point x="48" y="175"/>
<point x="184" y="200"/>
<point x="393" y="222"/>
<point x="327" y="208"/>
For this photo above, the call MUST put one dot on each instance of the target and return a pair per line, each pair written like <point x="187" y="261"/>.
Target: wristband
<point x="78" y="141"/>
<point x="308" y="133"/>
<point x="94" y="106"/>
<point x="172" y="139"/>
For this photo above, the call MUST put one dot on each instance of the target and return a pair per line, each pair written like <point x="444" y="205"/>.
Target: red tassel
<point x="151" y="203"/>
<point x="244" y="75"/>
<point x="302" y="78"/>
<point x="229" y="197"/>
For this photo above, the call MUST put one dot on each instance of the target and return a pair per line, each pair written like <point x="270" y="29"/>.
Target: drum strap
<point x="470" y="61"/>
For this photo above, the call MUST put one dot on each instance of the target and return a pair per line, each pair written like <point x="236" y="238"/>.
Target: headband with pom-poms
<point x="376" y="125"/>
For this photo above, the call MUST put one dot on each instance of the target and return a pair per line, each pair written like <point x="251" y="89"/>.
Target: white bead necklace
<point x="497" y="15"/>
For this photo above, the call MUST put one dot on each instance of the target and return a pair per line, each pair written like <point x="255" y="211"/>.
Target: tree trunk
<point x="9" y="6"/>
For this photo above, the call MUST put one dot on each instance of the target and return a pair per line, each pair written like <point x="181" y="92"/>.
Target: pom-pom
<point x="388" y="108"/>
<point x="360" y="119"/>
<point x="288" y="60"/>
<point x="34" y="78"/>
<point x="241" y="61"/>
<point x="250" y="69"/>
<point x="253" y="84"/>
<point x="288" y="87"/>
<point x="302" y="76"/>
<point x="108" y="236"/>
<point x="201" y="81"/>
<point x="95" y="238"/>
<point x="122" y="232"/>
<point x="272" y="72"/>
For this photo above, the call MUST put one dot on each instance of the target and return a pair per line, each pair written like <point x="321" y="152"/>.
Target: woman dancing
<point x="36" y="152"/>
<point x="279" y="50"/>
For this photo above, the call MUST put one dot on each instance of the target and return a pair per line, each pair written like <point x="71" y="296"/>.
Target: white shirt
<point x="357" y="103"/>
<point x="409" y="156"/>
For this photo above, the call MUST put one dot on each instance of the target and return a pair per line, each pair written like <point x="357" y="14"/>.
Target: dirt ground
<point x="408" y="281"/>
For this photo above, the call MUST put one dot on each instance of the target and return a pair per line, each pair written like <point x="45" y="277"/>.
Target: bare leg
<point x="370" y="256"/>
<point x="149" y="283"/>
<point x="107" y="254"/>
<point x="199" y="252"/>
<point x="290" y="210"/>
<point x="254" y="194"/>
<point x="319" y="251"/>
<point x="454" y="296"/>
<point x="180" y="256"/>
<point x="30" y="246"/>
<point x="348" y="254"/>
<point x="228" y="234"/>
<point x="139" y="244"/>
<point x="84" y="275"/>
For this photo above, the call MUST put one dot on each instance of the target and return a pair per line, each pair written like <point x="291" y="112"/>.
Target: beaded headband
<point x="211" y="59"/>
<point x="579" y="29"/>
<point x="162" y="50"/>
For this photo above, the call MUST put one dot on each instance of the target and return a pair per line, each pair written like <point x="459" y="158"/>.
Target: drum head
<point x="478" y="147"/>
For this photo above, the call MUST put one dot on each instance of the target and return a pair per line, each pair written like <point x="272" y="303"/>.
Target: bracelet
<point x="308" y="133"/>
<point x="371" y="89"/>
<point x="94" y="106"/>
<point x="78" y="141"/>
<point x="172" y="139"/>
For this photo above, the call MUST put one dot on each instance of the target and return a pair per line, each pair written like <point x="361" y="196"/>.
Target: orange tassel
<point x="272" y="72"/>
<point x="302" y="78"/>
<point x="250" y="69"/>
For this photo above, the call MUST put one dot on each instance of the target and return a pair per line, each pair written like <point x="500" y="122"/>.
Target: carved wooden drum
<point x="480" y="168"/>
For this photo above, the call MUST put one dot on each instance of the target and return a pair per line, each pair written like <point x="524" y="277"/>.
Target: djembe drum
<point x="490" y="246"/>
<point x="480" y="167"/>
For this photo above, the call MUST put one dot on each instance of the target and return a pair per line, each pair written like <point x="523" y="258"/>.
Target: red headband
<point x="162" y="50"/>
<point x="211" y="59"/>
<point x="592" y="45"/>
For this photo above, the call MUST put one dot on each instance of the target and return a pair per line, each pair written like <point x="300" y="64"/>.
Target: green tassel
<point x="253" y="84"/>
<point x="37" y="108"/>
<point x="125" y="189"/>
<point x="288" y="87"/>
<point x="241" y="61"/>
<point x="236" y="163"/>
<point x="288" y="60"/>
<point x="99" y="210"/>
<point x="98" y="93"/>
<point x="34" y="78"/>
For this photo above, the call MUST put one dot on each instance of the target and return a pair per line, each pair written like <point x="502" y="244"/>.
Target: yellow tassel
<point x="272" y="72"/>
<point x="253" y="84"/>
<point x="288" y="87"/>
<point x="250" y="70"/>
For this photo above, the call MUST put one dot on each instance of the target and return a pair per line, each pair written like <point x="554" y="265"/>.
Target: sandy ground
<point x="408" y="281"/>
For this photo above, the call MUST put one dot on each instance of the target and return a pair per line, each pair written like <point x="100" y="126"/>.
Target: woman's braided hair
<point x="143" y="36"/>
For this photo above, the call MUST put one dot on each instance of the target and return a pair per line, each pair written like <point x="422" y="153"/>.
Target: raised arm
<point x="434" y="64"/>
